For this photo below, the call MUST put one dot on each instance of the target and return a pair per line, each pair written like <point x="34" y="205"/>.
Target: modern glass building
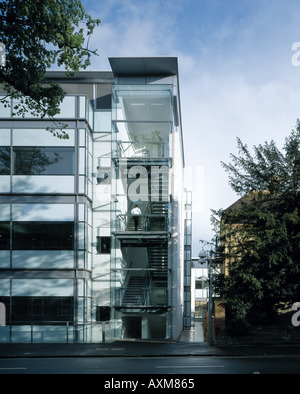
<point x="75" y="261"/>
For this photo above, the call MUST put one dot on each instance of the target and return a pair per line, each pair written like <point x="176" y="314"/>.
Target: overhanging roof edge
<point x="144" y="66"/>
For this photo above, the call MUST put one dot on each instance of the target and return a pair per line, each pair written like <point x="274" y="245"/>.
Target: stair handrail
<point x="145" y="220"/>
<point x="148" y="289"/>
<point x="146" y="148"/>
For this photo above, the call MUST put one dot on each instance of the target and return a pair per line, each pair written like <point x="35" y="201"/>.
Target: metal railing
<point x="54" y="332"/>
<point x="151" y="222"/>
<point x="150" y="296"/>
<point x="141" y="149"/>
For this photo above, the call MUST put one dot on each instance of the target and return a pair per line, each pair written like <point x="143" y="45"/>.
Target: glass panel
<point x="89" y="261"/>
<point x="81" y="212"/>
<point x="90" y="166"/>
<point x="4" y="212"/>
<point x="43" y="236"/>
<point x="43" y="161"/>
<point x="4" y="259"/>
<point x="81" y="259"/>
<point x="43" y="259"/>
<point x="90" y="216"/>
<point x="4" y="161"/>
<point x="80" y="309"/>
<point x="82" y="164"/>
<point x="142" y="103"/>
<point x="80" y="288"/>
<point x="90" y="238"/>
<point x="103" y="245"/>
<point x="42" y="309"/>
<point x="4" y="184"/>
<point x="90" y="116"/>
<point x="142" y="119"/>
<point x="67" y="108"/>
<point x="4" y="236"/>
<point x="81" y="184"/>
<point x="4" y="136"/>
<point x="82" y="106"/>
<point x="90" y="143"/>
<point x="102" y="121"/>
<point x="4" y="287"/>
<point x="90" y="189"/>
<point x="141" y="149"/>
<point x="42" y="212"/>
<point x="17" y="102"/>
<point x="81" y="239"/>
<point x="142" y="131"/>
<point x="82" y="137"/>
<point x="41" y="184"/>
<point x="41" y="137"/>
<point x="5" y="112"/>
<point x="43" y="287"/>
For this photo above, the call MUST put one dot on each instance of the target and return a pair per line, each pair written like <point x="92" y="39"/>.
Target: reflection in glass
<point x="67" y="107"/>
<point x="43" y="161"/>
<point x="4" y="161"/>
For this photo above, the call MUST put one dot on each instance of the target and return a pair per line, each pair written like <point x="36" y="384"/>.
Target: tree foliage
<point x="260" y="233"/>
<point x="38" y="34"/>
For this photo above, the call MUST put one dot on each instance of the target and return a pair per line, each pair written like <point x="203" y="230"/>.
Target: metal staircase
<point x="134" y="292"/>
<point x="158" y="254"/>
<point x="158" y="259"/>
<point x="130" y="226"/>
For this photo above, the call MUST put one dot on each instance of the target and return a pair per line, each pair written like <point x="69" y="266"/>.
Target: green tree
<point x="260" y="233"/>
<point x="38" y="34"/>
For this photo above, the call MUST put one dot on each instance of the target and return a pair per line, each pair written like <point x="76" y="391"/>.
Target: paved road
<point x="153" y="365"/>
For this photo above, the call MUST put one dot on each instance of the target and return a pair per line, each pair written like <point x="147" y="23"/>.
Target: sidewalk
<point x="190" y="344"/>
<point x="194" y="334"/>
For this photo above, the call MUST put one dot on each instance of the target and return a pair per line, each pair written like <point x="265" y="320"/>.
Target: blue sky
<point x="236" y="77"/>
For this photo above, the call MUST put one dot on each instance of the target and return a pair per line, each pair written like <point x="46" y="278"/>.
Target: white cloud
<point x="236" y="75"/>
<point x="131" y="28"/>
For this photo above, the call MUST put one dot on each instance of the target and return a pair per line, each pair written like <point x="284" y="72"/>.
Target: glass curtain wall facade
<point x="187" y="316"/>
<point x="75" y="261"/>
<point x="46" y="225"/>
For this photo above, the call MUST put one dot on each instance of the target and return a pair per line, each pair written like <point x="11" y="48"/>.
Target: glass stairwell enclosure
<point x="142" y="123"/>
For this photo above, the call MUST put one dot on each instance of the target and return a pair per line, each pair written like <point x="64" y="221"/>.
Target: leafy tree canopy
<point x="38" y="34"/>
<point x="269" y="169"/>
<point x="260" y="233"/>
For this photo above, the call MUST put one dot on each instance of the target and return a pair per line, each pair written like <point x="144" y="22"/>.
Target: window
<point x="42" y="309"/>
<point x="36" y="307"/>
<point x="102" y="313"/>
<point x="4" y="236"/>
<point x="43" y="161"/>
<point x="201" y="284"/>
<point x="43" y="235"/>
<point x="65" y="306"/>
<point x="103" y="245"/>
<point x="4" y="161"/>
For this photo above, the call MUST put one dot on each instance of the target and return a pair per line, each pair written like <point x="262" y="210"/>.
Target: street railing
<point x="54" y="332"/>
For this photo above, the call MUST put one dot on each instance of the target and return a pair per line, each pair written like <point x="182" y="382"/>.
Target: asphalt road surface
<point x="178" y="366"/>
